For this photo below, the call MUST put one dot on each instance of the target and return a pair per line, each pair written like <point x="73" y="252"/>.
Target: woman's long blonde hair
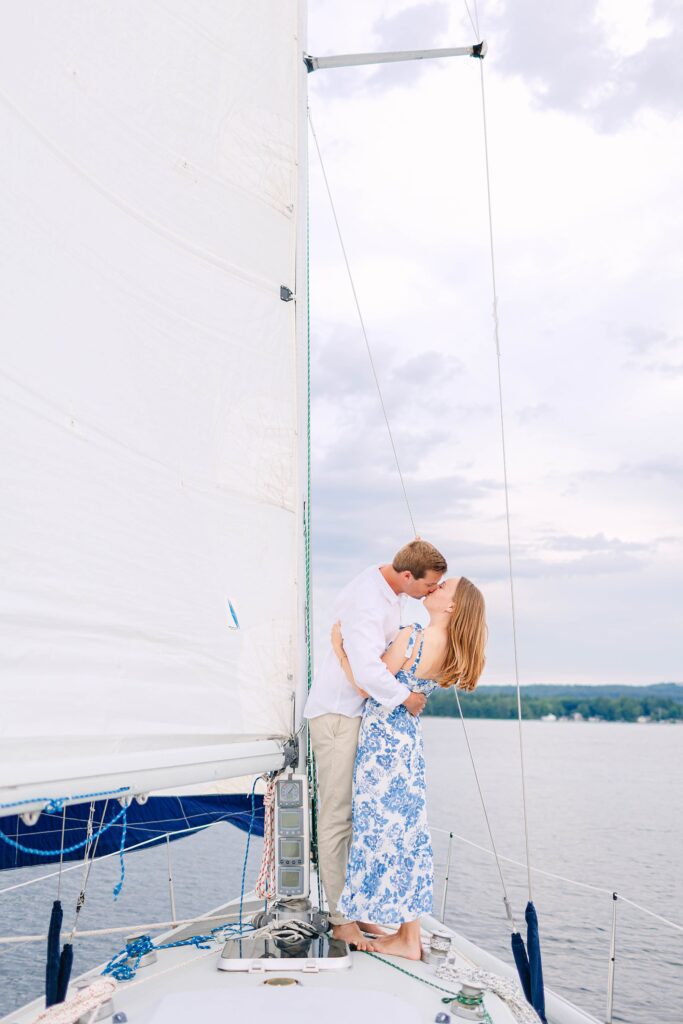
<point x="464" y="660"/>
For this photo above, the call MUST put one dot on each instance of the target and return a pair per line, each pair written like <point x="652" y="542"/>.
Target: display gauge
<point x="289" y="793"/>
<point x="292" y="817"/>
<point x="291" y="849"/>
<point x="291" y="878"/>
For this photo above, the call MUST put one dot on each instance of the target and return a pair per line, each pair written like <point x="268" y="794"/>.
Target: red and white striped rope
<point x="87" y="1001"/>
<point x="266" y="882"/>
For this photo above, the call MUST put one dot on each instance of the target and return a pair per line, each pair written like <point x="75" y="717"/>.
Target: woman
<point x="389" y="879"/>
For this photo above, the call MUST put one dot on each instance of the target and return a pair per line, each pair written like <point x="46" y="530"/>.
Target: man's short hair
<point x="418" y="557"/>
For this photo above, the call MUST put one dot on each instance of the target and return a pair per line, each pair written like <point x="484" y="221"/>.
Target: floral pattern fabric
<point x="390" y="874"/>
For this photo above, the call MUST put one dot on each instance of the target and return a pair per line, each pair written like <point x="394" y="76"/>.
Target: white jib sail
<point x="148" y="425"/>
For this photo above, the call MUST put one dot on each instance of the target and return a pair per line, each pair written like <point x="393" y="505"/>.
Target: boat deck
<point x="185" y="986"/>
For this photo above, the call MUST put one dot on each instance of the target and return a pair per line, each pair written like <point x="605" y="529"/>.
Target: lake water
<point x="605" y="808"/>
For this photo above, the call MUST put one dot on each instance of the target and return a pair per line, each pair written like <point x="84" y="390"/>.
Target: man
<point x="369" y="610"/>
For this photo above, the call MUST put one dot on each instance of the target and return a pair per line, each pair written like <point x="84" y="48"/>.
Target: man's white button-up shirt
<point x="370" y="616"/>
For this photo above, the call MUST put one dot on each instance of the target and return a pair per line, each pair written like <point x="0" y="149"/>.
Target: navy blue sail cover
<point x="148" y="823"/>
<point x="533" y="945"/>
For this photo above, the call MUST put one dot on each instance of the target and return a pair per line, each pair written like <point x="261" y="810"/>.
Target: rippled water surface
<point x="605" y="808"/>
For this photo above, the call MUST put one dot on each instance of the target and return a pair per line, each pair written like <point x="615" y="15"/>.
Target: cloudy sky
<point x="583" y="105"/>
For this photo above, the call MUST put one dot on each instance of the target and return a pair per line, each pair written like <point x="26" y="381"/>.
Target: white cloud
<point x="587" y="226"/>
<point x="604" y="61"/>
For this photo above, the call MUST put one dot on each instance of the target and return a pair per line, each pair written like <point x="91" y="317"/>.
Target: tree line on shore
<point x="658" y="703"/>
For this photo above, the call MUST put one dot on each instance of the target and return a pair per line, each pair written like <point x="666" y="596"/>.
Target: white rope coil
<point x="266" y="881"/>
<point x="504" y="988"/>
<point x="87" y="1000"/>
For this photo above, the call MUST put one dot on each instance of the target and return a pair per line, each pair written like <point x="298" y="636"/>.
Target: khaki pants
<point x="334" y="739"/>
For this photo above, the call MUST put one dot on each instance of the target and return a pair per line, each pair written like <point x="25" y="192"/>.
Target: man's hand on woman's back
<point x="415" y="703"/>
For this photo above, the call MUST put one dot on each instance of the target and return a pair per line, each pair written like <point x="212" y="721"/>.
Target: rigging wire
<point x="171" y="890"/>
<point x="87" y="864"/>
<point x="506" y="901"/>
<point x="474" y="22"/>
<point x="362" y="324"/>
<point x="496" y="332"/>
<point x="61" y="853"/>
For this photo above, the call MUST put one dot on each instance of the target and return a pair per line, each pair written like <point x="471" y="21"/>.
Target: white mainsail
<point x="148" y="412"/>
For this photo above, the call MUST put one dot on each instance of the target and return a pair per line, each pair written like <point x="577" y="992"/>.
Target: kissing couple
<point x="374" y="848"/>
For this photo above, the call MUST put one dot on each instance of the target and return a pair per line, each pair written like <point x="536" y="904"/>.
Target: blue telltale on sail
<point x="234" y="624"/>
<point x="149" y="823"/>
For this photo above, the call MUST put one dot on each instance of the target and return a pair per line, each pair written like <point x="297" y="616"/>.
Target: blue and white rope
<point x="120" y="966"/>
<point x="55" y="804"/>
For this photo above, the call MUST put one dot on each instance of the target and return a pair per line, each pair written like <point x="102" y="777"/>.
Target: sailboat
<point x="155" y="438"/>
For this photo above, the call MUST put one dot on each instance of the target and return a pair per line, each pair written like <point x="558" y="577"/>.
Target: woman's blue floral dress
<point x="390" y="875"/>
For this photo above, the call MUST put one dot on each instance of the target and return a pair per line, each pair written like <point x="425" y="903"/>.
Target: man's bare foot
<point x="399" y="945"/>
<point x="372" y="929"/>
<point x="352" y="934"/>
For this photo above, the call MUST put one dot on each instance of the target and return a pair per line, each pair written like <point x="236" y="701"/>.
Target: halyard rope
<point x="266" y="881"/>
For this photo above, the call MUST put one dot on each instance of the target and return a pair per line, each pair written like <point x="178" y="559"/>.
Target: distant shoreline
<point x="660" y="703"/>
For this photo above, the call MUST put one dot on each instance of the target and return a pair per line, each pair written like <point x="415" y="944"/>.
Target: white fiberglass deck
<point x="185" y="986"/>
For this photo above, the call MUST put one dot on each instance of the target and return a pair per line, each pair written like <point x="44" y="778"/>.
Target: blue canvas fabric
<point x="522" y="964"/>
<point x="528" y="962"/>
<point x="54" y="950"/>
<point x="150" y="821"/>
<point x="533" y="945"/>
<point x="390" y="875"/>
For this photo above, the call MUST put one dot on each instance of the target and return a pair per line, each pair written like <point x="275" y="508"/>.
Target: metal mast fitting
<point x="350" y="60"/>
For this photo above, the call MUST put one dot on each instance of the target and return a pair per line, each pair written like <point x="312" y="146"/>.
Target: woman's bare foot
<point x="351" y="933"/>
<point x="405" y="942"/>
<point x="372" y="929"/>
